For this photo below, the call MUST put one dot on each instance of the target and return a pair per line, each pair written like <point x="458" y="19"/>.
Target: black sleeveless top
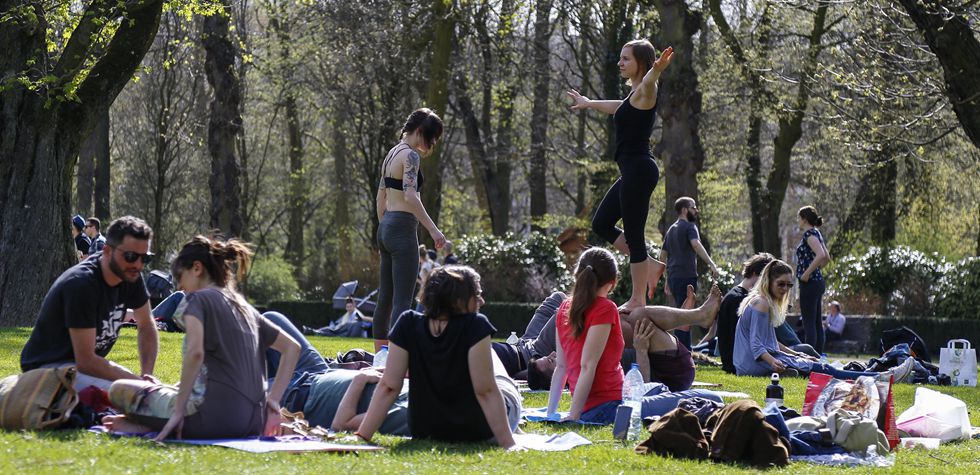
<point x="633" y="129"/>
<point x="398" y="183"/>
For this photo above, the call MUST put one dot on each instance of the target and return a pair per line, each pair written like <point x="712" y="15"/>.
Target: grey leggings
<point x="399" y="244"/>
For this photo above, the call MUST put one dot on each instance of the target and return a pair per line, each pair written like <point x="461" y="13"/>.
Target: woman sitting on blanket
<point x="758" y="353"/>
<point x="446" y="354"/>
<point x="222" y="383"/>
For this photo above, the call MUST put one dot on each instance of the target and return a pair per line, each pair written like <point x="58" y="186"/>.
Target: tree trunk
<point x="753" y="172"/>
<point x="679" y="107"/>
<point x="951" y="38"/>
<point x="437" y="98"/>
<point x="539" y="113"/>
<point x="342" y="221"/>
<point x="85" y="183"/>
<point x="295" y="246"/>
<point x="224" y="123"/>
<point x="41" y="140"/>
<point x="103" y="188"/>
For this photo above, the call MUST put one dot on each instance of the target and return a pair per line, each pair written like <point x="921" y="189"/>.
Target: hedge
<point x="309" y="313"/>
<point x="935" y="331"/>
<point x="509" y="316"/>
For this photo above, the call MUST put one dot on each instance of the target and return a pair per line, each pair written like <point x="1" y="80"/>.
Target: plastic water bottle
<point x="774" y="392"/>
<point x="512" y="339"/>
<point x="381" y="357"/>
<point x="632" y="394"/>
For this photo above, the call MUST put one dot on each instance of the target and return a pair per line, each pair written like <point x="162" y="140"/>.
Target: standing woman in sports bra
<point x="399" y="212"/>
<point x="629" y="197"/>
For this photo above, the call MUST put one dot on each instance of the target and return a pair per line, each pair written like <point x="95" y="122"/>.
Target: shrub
<point x="515" y="268"/>
<point x="959" y="290"/>
<point x="271" y="278"/>
<point x="902" y="279"/>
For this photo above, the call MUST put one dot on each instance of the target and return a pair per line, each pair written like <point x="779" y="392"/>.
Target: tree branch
<point x="72" y="59"/>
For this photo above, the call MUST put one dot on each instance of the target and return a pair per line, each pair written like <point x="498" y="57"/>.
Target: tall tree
<point x="444" y="17"/>
<point x="950" y="37"/>
<point x="539" y="111"/>
<point x="490" y="133"/>
<point x="225" y="128"/>
<point x="48" y="105"/>
<point x="679" y="106"/>
<point x="93" y="171"/>
<point x="789" y="119"/>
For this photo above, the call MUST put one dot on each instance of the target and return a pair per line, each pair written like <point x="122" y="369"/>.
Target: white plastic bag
<point x="959" y="361"/>
<point x="936" y="415"/>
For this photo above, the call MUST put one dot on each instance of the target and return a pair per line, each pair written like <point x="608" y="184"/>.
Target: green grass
<point x="79" y="451"/>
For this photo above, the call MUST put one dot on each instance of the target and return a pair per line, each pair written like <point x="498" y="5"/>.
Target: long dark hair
<point x="809" y="214"/>
<point x="448" y="290"/>
<point x="644" y="53"/>
<point x="427" y="123"/>
<point x="596" y="267"/>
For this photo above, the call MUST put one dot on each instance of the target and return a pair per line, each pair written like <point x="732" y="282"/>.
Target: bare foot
<point x="691" y="300"/>
<point x="121" y="424"/>
<point x="710" y="307"/>
<point x="629" y="306"/>
<point x="655" y="270"/>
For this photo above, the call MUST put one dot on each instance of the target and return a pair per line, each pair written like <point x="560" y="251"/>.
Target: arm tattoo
<point x="410" y="179"/>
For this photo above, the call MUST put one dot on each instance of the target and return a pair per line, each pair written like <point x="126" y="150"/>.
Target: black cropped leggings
<point x="628" y="199"/>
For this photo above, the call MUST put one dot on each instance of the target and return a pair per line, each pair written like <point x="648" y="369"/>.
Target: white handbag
<point x="959" y="361"/>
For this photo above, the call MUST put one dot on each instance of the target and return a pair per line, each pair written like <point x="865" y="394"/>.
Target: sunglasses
<point x="785" y="285"/>
<point x="131" y="257"/>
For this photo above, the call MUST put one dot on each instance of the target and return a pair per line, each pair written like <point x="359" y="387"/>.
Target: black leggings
<point x="628" y="199"/>
<point x="811" y="311"/>
<point x="398" y="244"/>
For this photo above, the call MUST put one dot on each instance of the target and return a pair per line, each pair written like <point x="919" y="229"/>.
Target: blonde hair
<point x="763" y="289"/>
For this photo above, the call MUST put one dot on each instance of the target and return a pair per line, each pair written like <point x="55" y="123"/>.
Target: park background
<point x="267" y="120"/>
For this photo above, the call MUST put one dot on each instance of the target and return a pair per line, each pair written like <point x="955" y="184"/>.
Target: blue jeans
<point x="659" y="400"/>
<point x="309" y="361"/>
<point x="838" y="373"/>
<point x="678" y="288"/>
<point x="811" y="311"/>
<point x="604" y="413"/>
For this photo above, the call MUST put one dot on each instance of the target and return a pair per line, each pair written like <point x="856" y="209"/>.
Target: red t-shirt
<point x="608" y="383"/>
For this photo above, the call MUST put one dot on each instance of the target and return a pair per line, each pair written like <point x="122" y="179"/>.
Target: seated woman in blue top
<point x="446" y="354"/>
<point x="758" y="353"/>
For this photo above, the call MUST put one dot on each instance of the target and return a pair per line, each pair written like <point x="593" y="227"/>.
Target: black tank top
<point x="397" y="183"/>
<point x="633" y="129"/>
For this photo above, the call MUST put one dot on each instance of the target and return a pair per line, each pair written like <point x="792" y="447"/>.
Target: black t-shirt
<point x="510" y="356"/>
<point x="727" y="321"/>
<point x="441" y="401"/>
<point x="80" y="298"/>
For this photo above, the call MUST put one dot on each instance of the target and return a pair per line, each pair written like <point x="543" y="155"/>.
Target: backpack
<point x="41" y="398"/>
<point x="904" y="334"/>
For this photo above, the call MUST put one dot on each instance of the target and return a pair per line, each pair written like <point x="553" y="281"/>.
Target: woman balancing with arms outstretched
<point x="629" y="197"/>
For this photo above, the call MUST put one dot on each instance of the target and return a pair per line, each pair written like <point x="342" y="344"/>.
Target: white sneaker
<point x="901" y="372"/>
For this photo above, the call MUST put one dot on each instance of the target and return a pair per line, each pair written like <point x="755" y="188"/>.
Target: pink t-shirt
<point x="608" y="383"/>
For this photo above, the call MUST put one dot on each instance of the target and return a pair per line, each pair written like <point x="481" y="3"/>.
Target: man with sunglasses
<point x="85" y="307"/>
<point x="93" y="229"/>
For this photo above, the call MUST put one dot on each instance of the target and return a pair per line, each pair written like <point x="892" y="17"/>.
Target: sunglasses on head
<point x="131" y="257"/>
<point x="785" y="285"/>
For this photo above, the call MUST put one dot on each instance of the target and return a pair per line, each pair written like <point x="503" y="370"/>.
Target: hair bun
<point x="819" y="220"/>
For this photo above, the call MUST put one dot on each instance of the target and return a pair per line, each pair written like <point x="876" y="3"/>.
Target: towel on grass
<point x="257" y="445"/>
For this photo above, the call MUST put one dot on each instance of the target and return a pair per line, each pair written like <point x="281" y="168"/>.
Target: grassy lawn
<point x="79" y="451"/>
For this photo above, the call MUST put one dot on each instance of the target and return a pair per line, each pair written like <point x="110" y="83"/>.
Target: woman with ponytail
<point x="399" y="213"/>
<point x="811" y="255"/>
<point x="590" y="342"/>
<point x="222" y="383"/>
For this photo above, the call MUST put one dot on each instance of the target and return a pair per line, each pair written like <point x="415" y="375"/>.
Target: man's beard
<point x="692" y="216"/>
<point x="116" y="269"/>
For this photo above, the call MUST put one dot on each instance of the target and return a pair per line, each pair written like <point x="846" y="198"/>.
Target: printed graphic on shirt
<point x="107" y="335"/>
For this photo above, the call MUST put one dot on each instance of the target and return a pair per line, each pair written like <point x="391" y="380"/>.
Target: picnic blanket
<point x="551" y="442"/>
<point x="540" y="414"/>
<point x="257" y="445"/>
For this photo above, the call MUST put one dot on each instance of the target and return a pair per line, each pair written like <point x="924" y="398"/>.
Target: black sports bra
<point x="398" y="183"/>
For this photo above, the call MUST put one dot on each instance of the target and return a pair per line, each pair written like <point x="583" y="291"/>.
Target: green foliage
<point x="271" y="278"/>
<point x="904" y="279"/>
<point x="516" y="268"/>
<point x="959" y="290"/>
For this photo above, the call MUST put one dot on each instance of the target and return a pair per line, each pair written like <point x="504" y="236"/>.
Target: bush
<point x="515" y="268"/>
<point x="902" y="279"/>
<point x="271" y="278"/>
<point x="959" y="291"/>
